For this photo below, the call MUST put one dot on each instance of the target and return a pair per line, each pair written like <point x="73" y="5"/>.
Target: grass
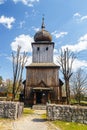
<point x="66" y="125"/>
<point x="43" y="116"/>
<point x="82" y="103"/>
<point x="69" y="125"/>
<point x="73" y="101"/>
<point x="27" y="111"/>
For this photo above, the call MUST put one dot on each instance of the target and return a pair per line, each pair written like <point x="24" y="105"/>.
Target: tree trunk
<point x="67" y="91"/>
<point x="13" y="93"/>
<point x="79" y="98"/>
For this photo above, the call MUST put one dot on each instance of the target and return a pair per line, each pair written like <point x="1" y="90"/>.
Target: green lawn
<point x="82" y="103"/>
<point x="27" y="111"/>
<point x="44" y="116"/>
<point x="69" y="125"/>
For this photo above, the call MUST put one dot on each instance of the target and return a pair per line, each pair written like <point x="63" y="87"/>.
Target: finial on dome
<point x="42" y="35"/>
<point x="43" y="25"/>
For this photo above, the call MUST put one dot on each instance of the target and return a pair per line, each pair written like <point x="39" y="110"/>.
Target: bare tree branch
<point x="19" y="61"/>
<point x="66" y="60"/>
<point x="78" y="84"/>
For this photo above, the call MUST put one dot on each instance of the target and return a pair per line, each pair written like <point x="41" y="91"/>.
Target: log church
<point x="42" y="75"/>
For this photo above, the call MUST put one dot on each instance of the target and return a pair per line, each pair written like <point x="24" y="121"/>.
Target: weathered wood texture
<point x="49" y="78"/>
<point x="42" y="52"/>
<point x="48" y="75"/>
<point x="42" y="75"/>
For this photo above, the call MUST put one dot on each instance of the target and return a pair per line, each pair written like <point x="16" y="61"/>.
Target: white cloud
<point x="55" y="59"/>
<point x="80" y="46"/>
<point x="2" y="1"/>
<point x="7" y="21"/>
<point x="21" y="24"/>
<point x="29" y="61"/>
<point x="79" y="64"/>
<point x="77" y="14"/>
<point x="35" y="29"/>
<point x="33" y="13"/>
<point x="26" y="2"/>
<point x="84" y="18"/>
<point x="58" y="35"/>
<point x="79" y="17"/>
<point x="76" y="64"/>
<point x="24" y="41"/>
<point x="55" y="51"/>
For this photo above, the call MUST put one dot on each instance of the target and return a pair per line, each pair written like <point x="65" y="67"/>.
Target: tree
<point x="19" y="61"/>
<point x="1" y="80"/>
<point x="65" y="61"/>
<point x="79" y="84"/>
<point x="9" y="84"/>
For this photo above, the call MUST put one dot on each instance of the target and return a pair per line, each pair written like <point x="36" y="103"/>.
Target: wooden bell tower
<point x="42" y="75"/>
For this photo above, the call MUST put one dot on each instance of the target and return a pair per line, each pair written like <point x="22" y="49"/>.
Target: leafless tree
<point x="79" y="84"/>
<point x="65" y="60"/>
<point x="19" y="61"/>
<point x="1" y="80"/>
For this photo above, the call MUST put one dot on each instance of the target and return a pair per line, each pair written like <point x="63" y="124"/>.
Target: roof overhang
<point x="43" y="65"/>
<point x="42" y="89"/>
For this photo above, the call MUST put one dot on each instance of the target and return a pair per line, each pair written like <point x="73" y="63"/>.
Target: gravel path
<point x="31" y="122"/>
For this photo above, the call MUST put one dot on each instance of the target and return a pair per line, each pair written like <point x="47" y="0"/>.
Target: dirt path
<point x="31" y="122"/>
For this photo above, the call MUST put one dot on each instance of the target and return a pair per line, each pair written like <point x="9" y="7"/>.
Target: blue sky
<point x="66" y="20"/>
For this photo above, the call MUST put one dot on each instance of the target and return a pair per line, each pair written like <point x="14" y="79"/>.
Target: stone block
<point x="67" y="113"/>
<point x="10" y="109"/>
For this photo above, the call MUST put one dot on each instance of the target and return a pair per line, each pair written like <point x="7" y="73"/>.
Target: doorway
<point x="41" y="97"/>
<point x="38" y="98"/>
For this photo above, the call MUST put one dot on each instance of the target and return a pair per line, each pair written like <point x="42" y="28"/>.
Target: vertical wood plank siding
<point x="42" y="55"/>
<point x="49" y="76"/>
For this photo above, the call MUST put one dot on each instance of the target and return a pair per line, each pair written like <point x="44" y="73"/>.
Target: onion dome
<point x="42" y="35"/>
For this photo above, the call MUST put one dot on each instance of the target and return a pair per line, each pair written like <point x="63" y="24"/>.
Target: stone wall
<point x="10" y="109"/>
<point x="67" y="113"/>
